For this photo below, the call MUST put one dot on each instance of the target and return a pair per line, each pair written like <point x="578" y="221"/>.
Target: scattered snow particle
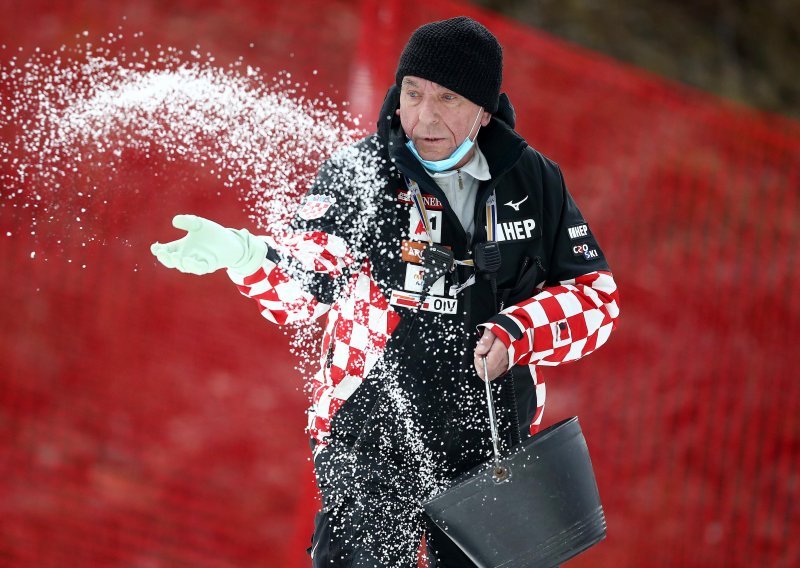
<point x="263" y="137"/>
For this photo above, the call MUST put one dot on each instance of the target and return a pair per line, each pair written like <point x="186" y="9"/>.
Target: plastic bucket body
<point x="543" y="509"/>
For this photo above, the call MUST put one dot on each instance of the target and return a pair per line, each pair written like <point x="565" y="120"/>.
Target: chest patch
<point x="431" y="303"/>
<point x="412" y="251"/>
<point x="520" y="230"/>
<point x="416" y="228"/>
<point x="431" y="202"/>
<point x="415" y="277"/>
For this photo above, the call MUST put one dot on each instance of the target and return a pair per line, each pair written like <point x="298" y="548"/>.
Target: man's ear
<point x="485" y="118"/>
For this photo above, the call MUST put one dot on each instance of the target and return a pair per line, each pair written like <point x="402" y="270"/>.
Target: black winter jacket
<point x="422" y="407"/>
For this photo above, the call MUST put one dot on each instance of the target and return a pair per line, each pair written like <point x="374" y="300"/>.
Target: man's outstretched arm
<point x="253" y="265"/>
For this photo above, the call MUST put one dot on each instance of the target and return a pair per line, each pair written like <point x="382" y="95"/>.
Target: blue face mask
<point x="450" y="162"/>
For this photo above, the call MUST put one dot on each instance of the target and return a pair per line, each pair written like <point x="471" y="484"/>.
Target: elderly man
<point x="468" y="246"/>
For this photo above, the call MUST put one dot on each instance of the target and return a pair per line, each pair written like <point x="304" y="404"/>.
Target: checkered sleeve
<point x="560" y="323"/>
<point x="358" y="328"/>
<point x="283" y="298"/>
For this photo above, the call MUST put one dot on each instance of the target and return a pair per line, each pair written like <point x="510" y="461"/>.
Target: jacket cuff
<point x="510" y="325"/>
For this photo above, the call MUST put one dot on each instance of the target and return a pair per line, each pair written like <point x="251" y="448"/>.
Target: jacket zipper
<point x="466" y="308"/>
<point x="525" y="262"/>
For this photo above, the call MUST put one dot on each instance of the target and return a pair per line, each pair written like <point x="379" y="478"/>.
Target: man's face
<point x="437" y="119"/>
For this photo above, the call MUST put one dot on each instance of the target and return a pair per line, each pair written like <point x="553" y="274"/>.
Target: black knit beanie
<point x="459" y="54"/>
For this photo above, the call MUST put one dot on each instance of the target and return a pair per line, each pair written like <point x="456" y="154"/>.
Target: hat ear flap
<point x="505" y="111"/>
<point x="391" y="102"/>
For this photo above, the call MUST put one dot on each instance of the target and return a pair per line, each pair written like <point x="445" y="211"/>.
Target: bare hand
<point x="496" y="355"/>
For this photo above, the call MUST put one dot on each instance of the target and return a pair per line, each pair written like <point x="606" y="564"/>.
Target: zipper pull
<point x="460" y="181"/>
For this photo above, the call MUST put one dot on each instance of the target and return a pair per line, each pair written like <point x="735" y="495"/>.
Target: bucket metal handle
<point x="501" y="473"/>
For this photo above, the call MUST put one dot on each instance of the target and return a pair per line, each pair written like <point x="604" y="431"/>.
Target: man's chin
<point x="432" y="156"/>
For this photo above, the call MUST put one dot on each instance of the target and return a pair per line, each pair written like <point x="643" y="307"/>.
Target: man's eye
<point x="449" y="97"/>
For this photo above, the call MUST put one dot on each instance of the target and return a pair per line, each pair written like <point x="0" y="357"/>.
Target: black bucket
<point x="539" y="509"/>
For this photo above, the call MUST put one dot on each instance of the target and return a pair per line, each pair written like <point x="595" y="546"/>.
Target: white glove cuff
<point x="255" y="251"/>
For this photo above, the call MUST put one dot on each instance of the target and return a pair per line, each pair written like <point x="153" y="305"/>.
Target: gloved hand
<point x="209" y="246"/>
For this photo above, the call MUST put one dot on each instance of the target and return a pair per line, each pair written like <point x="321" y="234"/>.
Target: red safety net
<point x="150" y="418"/>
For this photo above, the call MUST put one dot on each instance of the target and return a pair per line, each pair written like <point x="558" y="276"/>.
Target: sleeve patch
<point x="561" y="333"/>
<point x="579" y="231"/>
<point x="315" y="206"/>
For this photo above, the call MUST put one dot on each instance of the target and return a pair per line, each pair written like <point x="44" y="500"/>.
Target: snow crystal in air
<point x="70" y="118"/>
<point x="85" y="106"/>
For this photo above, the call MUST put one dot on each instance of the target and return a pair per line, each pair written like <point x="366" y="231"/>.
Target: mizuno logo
<point x="515" y="206"/>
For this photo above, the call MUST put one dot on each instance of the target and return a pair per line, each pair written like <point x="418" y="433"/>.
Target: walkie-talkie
<point x="487" y="262"/>
<point x="487" y="258"/>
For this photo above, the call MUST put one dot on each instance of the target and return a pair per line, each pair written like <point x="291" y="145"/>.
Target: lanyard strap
<point x="419" y="204"/>
<point x="422" y="211"/>
<point x="491" y="217"/>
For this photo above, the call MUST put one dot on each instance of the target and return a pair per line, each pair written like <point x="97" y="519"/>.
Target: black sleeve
<point x="332" y="205"/>
<point x="574" y="250"/>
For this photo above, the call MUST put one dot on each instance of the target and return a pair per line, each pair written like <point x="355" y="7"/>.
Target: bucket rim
<point x="526" y="445"/>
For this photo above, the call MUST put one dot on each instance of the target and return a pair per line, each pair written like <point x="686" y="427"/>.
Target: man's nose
<point x="428" y="113"/>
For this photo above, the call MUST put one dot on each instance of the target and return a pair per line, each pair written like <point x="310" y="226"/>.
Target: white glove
<point x="208" y="246"/>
